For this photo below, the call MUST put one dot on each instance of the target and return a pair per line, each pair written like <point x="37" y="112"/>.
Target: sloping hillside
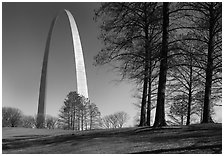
<point x="205" y="138"/>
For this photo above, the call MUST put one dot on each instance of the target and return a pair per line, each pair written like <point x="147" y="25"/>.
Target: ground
<point x="204" y="138"/>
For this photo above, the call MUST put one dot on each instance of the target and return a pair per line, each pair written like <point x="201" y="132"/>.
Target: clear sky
<point x="24" y="32"/>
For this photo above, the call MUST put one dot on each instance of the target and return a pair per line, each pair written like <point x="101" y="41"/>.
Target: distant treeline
<point x="77" y="113"/>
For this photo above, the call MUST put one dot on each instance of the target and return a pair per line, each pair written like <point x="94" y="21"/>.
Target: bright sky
<point x="24" y="32"/>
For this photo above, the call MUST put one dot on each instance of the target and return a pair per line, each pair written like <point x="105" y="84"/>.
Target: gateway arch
<point x="79" y="63"/>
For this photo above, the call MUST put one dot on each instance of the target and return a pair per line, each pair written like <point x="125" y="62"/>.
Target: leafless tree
<point x="122" y="118"/>
<point x="51" y="122"/>
<point x="131" y="34"/>
<point x="116" y="120"/>
<point x="28" y="121"/>
<point x="11" y="117"/>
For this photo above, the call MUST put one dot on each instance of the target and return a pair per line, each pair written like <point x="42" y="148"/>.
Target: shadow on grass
<point x="136" y="135"/>
<point x="216" y="149"/>
<point x="25" y="141"/>
<point x="34" y="141"/>
<point x="22" y="137"/>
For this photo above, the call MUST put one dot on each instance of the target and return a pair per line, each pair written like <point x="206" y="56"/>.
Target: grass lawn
<point x="205" y="138"/>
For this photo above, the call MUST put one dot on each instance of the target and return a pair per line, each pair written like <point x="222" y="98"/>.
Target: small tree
<point x="116" y="120"/>
<point x="51" y="122"/>
<point x="70" y="111"/>
<point x="28" y="121"/>
<point x="122" y="118"/>
<point x="94" y="116"/>
<point x="78" y="113"/>
<point x="105" y="122"/>
<point x="11" y="117"/>
<point x="179" y="109"/>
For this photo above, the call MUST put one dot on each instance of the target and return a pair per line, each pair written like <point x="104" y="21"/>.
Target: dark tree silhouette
<point x="185" y="77"/>
<point x="145" y="40"/>
<point x="70" y="112"/>
<point x="160" y="109"/>
<point x="207" y="19"/>
<point x="131" y="34"/>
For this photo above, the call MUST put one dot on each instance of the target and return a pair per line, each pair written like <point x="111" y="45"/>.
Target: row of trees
<point x="13" y="117"/>
<point x="172" y="50"/>
<point x="77" y="113"/>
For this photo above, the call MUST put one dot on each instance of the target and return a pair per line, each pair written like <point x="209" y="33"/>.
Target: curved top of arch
<point x="79" y="62"/>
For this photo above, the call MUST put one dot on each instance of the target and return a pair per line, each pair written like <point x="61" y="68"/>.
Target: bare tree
<point x="106" y="122"/>
<point x="206" y="27"/>
<point x="51" y="122"/>
<point x="122" y="118"/>
<point x="179" y="109"/>
<point x="116" y="120"/>
<point x="94" y="116"/>
<point x="28" y="121"/>
<point x="186" y="78"/>
<point x="214" y="29"/>
<point x="11" y="117"/>
<point x="140" y="37"/>
<point x="160" y="109"/>
<point x="131" y="34"/>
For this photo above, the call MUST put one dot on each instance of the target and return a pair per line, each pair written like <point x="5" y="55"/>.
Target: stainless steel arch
<point x="79" y="61"/>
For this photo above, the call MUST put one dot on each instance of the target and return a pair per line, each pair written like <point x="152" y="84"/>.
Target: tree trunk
<point x="68" y="121"/>
<point x="90" y="124"/>
<point x="208" y="84"/>
<point x="70" y="127"/>
<point x="78" y="126"/>
<point x="82" y="120"/>
<point x="182" y="119"/>
<point x="144" y="96"/>
<point x="146" y="76"/>
<point x="149" y="99"/>
<point x="73" y="126"/>
<point x="189" y="107"/>
<point x="86" y="125"/>
<point x="189" y="94"/>
<point x="160" y="109"/>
